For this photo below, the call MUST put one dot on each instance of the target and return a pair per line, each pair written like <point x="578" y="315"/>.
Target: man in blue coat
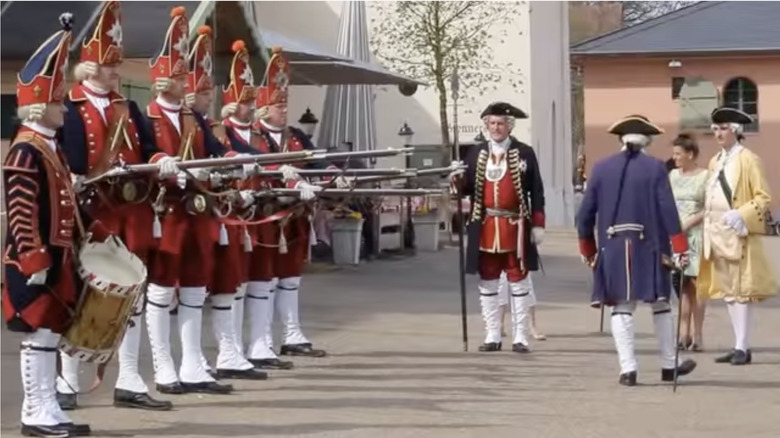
<point x="630" y="195"/>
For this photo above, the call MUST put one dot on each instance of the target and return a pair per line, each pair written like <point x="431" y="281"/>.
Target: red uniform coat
<point x="41" y="220"/>
<point x="87" y="140"/>
<point x="184" y="253"/>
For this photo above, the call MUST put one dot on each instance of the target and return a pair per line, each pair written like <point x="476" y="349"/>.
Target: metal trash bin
<point x="426" y="231"/>
<point x="345" y="238"/>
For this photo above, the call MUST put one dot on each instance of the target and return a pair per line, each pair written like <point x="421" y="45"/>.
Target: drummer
<point x="40" y="289"/>
<point x="96" y="113"/>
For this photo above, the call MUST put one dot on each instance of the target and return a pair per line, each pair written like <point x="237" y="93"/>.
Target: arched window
<point x="742" y="93"/>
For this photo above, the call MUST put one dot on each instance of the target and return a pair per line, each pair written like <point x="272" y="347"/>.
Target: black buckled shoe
<point x="685" y="368"/>
<point x="520" y="348"/>
<point x="206" y="388"/>
<point x="301" y="350"/>
<point x="76" y="429"/>
<point x="628" y="379"/>
<point x="170" y="388"/>
<point x="741" y="357"/>
<point x="56" y="431"/>
<point x="271" y="364"/>
<point x="490" y="346"/>
<point x="67" y="402"/>
<point x="746" y="357"/>
<point x="250" y="374"/>
<point x="139" y="400"/>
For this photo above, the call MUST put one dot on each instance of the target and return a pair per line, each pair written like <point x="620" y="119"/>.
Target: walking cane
<point x="455" y="86"/>
<point x="679" y="323"/>
<point x="601" y="321"/>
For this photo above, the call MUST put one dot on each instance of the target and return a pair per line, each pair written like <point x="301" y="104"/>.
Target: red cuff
<point x="231" y="154"/>
<point x="34" y="260"/>
<point x="588" y="247"/>
<point x="293" y="183"/>
<point x="157" y="157"/>
<point x="537" y="219"/>
<point x="679" y="243"/>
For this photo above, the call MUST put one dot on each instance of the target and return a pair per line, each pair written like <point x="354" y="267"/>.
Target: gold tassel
<point x="223" y="235"/>
<point x="156" y="227"/>
<point x="282" y="243"/>
<point x="247" y="241"/>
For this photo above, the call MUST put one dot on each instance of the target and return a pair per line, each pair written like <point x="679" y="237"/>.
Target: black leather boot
<point x="271" y="364"/>
<point x="490" y="346"/>
<point x="685" y="368"/>
<point x="139" y="400"/>
<point x="628" y="379"/>
<point x="301" y="350"/>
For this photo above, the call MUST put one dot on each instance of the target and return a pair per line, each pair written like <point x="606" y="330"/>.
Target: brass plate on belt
<point x="129" y="191"/>
<point x="199" y="203"/>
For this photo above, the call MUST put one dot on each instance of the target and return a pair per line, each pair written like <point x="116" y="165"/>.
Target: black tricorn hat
<point x="634" y="124"/>
<point x="503" y="109"/>
<point x="730" y="115"/>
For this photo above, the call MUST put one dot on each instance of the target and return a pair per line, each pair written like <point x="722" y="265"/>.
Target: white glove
<point x="168" y="166"/>
<point x="38" y="278"/>
<point x="249" y="169"/>
<point x="181" y="179"/>
<point x="342" y="183"/>
<point x="308" y="191"/>
<point x="733" y="219"/>
<point x="537" y="235"/>
<point x="216" y="179"/>
<point x="201" y="174"/>
<point x="588" y="262"/>
<point x="456" y="169"/>
<point x="77" y="181"/>
<point x="247" y="198"/>
<point x="289" y="173"/>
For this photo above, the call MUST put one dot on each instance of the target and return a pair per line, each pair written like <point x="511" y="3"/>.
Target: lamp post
<point x="406" y="133"/>
<point x="308" y="123"/>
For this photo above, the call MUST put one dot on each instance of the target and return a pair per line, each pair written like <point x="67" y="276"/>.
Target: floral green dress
<point x="689" y="197"/>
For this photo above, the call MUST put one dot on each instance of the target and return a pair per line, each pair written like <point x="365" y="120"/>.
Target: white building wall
<point x="539" y="34"/>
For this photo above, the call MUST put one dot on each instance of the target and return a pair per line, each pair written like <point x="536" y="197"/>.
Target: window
<point x="742" y="93"/>
<point x="8" y="114"/>
<point x="677" y="84"/>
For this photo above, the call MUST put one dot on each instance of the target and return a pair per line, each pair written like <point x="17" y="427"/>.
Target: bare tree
<point x="637" y="12"/>
<point x="428" y="40"/>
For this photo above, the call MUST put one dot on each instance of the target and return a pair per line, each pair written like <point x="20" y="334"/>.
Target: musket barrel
<point x="354" y="192"/>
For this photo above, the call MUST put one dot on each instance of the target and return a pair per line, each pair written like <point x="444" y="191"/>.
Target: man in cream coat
<point x="735" y="267"/>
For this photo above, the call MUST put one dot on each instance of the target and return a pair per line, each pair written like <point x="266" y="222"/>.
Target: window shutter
<point x="698" y="98"/>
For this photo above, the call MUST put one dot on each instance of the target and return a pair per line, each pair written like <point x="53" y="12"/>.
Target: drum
<point x="114" y="278"/>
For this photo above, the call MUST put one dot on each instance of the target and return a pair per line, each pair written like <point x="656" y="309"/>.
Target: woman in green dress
<point x="688" y="182"/>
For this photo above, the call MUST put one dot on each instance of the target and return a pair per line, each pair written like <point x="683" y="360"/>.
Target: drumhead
<point x="113" y="264"/>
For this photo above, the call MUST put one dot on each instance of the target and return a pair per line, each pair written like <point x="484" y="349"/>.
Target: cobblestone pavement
<point x="397" y="369"/>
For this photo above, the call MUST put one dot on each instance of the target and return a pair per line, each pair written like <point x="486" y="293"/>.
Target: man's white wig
<point x="635" y="132"/>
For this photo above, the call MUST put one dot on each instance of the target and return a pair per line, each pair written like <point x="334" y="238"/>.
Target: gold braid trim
<point x="479" y="187"/>
<point x="514" y="168"/>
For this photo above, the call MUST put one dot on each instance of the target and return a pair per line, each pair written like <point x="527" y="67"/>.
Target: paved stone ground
<point x="397" y="369"/>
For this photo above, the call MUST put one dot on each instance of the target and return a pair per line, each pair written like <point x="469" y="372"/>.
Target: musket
<point x="306" y="156"/>
<point x="351" y="192"/>
<point x="408" y="173"/>
<point x="352" y="173"/>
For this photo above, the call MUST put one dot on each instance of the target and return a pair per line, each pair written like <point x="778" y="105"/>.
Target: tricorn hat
<point x="634" y="124"/>
<point x="503" y="109"/>
<point x="730" y="115"/>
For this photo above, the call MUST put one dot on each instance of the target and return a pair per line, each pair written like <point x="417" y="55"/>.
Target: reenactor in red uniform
<point x="507" y="223"/>
<point x="184" y="255"/>
<point x="103" y="129"/>
<point x="284" y="247"/>
<point x="40" y="287"/>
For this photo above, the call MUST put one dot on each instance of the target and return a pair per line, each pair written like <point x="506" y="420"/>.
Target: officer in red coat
<point x="187" y="230"/>
<point x="231" y="252"/>
<point x="506" y="222"/>
<point x="41" y="287"/>
<point x="103" y="129"/>
<point x="290" y="236"/>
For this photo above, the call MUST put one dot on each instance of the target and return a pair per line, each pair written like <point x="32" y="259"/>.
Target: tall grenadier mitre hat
<point x="635" y="124"/>
<point x="276" y="81"/>
<point x="730" y="115"/>
<point x="104" y="47"/>
<point x="43" y="77"/>
<point x="241" y="88"/>
<point x="172" y="59"/>
<point x="503" y="109"/>
<point x="201" y="60"/>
